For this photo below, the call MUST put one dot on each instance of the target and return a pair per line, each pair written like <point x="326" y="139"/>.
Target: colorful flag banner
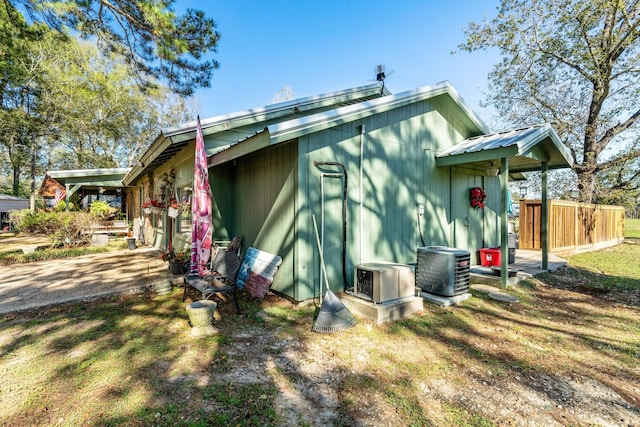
<point x="201" y="208"/>
<point x="60" y="195"/>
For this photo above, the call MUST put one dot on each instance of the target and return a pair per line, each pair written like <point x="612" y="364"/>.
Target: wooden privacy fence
<point x="573" y="227"/>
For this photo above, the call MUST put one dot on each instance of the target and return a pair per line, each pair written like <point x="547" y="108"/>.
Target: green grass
<point x="130" y="360"/>
<point x="125" y="360"/>
<point x="632" y="228"/>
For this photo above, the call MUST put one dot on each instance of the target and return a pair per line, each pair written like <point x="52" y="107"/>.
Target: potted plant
<point x="146" y="208"/>
<point x="177" y="259"/>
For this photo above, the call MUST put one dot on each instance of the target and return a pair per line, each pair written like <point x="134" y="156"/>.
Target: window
<point x="184" y="221"/>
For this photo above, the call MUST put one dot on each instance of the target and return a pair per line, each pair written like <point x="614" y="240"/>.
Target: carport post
<point x="504" y="223"/>
<point x="544" y="217"/>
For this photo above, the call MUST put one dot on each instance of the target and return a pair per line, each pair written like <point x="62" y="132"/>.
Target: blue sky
<point x="323" y="46"/>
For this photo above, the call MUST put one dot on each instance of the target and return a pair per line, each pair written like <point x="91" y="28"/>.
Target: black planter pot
<point x="176" y="267"/>
<point x="131" y="241"/>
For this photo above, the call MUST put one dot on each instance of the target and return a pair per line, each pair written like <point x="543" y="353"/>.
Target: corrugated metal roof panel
<point x="493" y="141"/>
<point x="231" y="128"/>
<point x="527" y="146"/>
<point x="294" y="107"/>
<point x="283" y="130"/>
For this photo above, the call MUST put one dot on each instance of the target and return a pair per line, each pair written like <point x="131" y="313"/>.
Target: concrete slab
<point x="485" y="289"/>
<point x="385" y="312"/>
<point x="445" y="301"/>
<point x="527" y="265"/>
<point x="42" y="283"/>
<point x="503" y="297"/>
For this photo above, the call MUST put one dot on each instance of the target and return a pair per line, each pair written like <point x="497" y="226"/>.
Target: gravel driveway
<point x="32" y="285"/>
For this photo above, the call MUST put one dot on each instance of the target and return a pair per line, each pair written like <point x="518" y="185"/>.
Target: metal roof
<point x="526" y="147"/>
<point x="106" y="177"/>
<point x="289" y="129"/>
<point x="237" y="126"/>
<point x="12" y="198"/>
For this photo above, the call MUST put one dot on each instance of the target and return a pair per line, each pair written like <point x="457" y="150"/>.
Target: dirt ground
<point x="493" y="376"/>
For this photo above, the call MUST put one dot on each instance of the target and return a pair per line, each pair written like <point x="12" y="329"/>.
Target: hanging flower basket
<point x="147" y="211"/>
<point x="156" y="206"/>
<point x="173" y="212"/>
<point x="476" y="197"/>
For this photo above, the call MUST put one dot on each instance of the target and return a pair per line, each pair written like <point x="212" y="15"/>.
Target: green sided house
<point x="382" y="173"/>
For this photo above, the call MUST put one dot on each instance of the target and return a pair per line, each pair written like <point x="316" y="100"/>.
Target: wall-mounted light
<point x="493" y="170"/>
<point x="523" y="190"/>
<point x="101" y="190"/>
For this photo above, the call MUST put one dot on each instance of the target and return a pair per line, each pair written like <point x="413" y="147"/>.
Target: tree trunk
<point x="586" y="184"/>
<point x="16" y="181"/>
<point x="33" y="174"/>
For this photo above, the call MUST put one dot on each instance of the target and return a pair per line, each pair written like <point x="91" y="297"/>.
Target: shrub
<point x="100" y="209"/>
<point x="62" y="206"/>
<point x="63" y="228"/>
<point x="20" y="220"/>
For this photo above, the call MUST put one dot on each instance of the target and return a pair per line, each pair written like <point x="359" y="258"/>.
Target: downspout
<point x="360" y="190"/>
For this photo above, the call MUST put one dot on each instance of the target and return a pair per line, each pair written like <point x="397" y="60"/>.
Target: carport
<point x="513" y="152"/>
<point x="98" y="182"/>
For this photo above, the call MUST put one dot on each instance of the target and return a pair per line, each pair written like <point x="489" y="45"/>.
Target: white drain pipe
<point x="360" y="196"/>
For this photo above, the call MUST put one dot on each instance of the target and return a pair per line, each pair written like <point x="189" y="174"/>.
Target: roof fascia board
<point x="248" y="146"/>
<point x="95" y="183"/>
<point x="84" y="173"/>
<point x="242" y="118"/>
<point x="160" y="144"/>
<point x="533" y="168"/>
<point x="291" y="129"/>
<point x="477" y="156"/>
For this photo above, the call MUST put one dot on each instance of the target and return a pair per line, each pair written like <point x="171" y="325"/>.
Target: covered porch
<point x="512" y="154"/>
<point x="528" y="263"/>
<point x="93" y="182"/>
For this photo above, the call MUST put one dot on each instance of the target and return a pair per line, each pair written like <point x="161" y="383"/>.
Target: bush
<point x="20" y="220"/>
<point x="62" y="206"/>
<point x="63" y="228"/>
<point x="100" y="209"/>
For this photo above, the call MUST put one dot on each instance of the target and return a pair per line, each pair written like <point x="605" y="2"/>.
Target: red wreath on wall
<point x="476" y="197"/>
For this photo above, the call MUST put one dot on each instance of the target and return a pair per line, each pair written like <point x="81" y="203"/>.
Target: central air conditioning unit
<point x="443" y="271"/>
<point x="381" y="282"/>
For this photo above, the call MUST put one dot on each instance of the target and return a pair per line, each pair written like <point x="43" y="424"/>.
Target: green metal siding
<point x="223" y="199"/>
<point x="264" y="207"/>
<point x="398" y="172"/>
<point x="269" y="197"/>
